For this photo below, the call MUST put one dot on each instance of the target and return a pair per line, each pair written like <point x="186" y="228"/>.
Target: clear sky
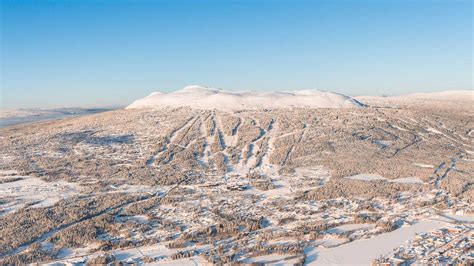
<point x="90" y="53"/>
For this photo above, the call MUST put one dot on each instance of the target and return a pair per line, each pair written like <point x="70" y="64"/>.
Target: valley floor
<point x="182" y="186"/>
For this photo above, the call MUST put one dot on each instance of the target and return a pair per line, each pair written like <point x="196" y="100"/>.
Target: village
<point x="447" y="245"/>
<point x="190" y="186"/>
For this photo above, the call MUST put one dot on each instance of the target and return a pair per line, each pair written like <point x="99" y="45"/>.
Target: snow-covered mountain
<point x="452" y="95"/>
<point x="460" y="98"/>
<point x="200" y="97"/>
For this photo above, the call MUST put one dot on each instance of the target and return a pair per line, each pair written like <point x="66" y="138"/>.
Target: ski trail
<point x="289" y="134"/>
<point x="252" y="148"/>
<point x="167" y="141"/>
<point x="451" y="167"/>
<point x="209" y="136"/>
<point x="224" y="142"/>
<point x="170" y="139"/>
<point x="292" y="148"/>
<point x="265" y="165"/>
<point x="416" y="139"/>
<point x="225" y="139"/>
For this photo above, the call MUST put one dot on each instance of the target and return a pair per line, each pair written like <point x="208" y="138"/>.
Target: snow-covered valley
<point x="208" y="176"/>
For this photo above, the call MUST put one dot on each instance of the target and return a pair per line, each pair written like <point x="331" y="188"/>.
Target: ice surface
<point x="361" y="252"/>
<point x="22" y="116"/>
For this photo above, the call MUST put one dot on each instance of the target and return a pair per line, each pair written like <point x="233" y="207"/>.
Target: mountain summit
<point x="201" y="97"/>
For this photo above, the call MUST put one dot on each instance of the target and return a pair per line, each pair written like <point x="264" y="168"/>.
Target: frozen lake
<point x="9" y="118"/>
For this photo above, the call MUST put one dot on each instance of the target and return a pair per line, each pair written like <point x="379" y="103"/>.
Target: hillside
<point x="198" y="185"/>
<point x="200" y="97"/>
<point x="460" y="99"/>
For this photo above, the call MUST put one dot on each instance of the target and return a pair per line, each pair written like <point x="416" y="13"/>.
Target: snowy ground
<point x="31" y="191"/>
<point x="198" y="186"/>
<point x="130" y="255"/>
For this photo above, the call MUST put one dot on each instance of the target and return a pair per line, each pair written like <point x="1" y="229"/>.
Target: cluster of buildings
<point x="448" y="246"/>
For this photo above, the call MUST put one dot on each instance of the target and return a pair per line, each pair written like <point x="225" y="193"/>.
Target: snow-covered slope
<point x="454" y="95"/>
<point x="457" y="99"/>
<point x="210" y="98"/>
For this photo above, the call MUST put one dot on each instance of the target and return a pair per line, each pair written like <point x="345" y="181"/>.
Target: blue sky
<point x="93" y="53"/>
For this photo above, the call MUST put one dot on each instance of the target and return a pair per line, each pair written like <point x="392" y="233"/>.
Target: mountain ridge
<point x="201" y="97"/>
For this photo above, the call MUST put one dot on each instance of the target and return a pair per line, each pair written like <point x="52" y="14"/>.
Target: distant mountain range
<point x="21" y="116"/>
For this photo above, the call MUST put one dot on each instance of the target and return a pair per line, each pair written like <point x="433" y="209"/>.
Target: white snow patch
<point x="421" y="165"/>
<point x="29" y="190"/>
<point x="349" y="227"/>
<point x="272" y="259"/>
<point x="399" y="128"/>
<point x="361" y="252"/>
<point x="432" y="130"/>
<point x="409" y="180"/>
<point x="200" y="97"/>
<point x="131" y="255"/>
<point x="366" y="177"/>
